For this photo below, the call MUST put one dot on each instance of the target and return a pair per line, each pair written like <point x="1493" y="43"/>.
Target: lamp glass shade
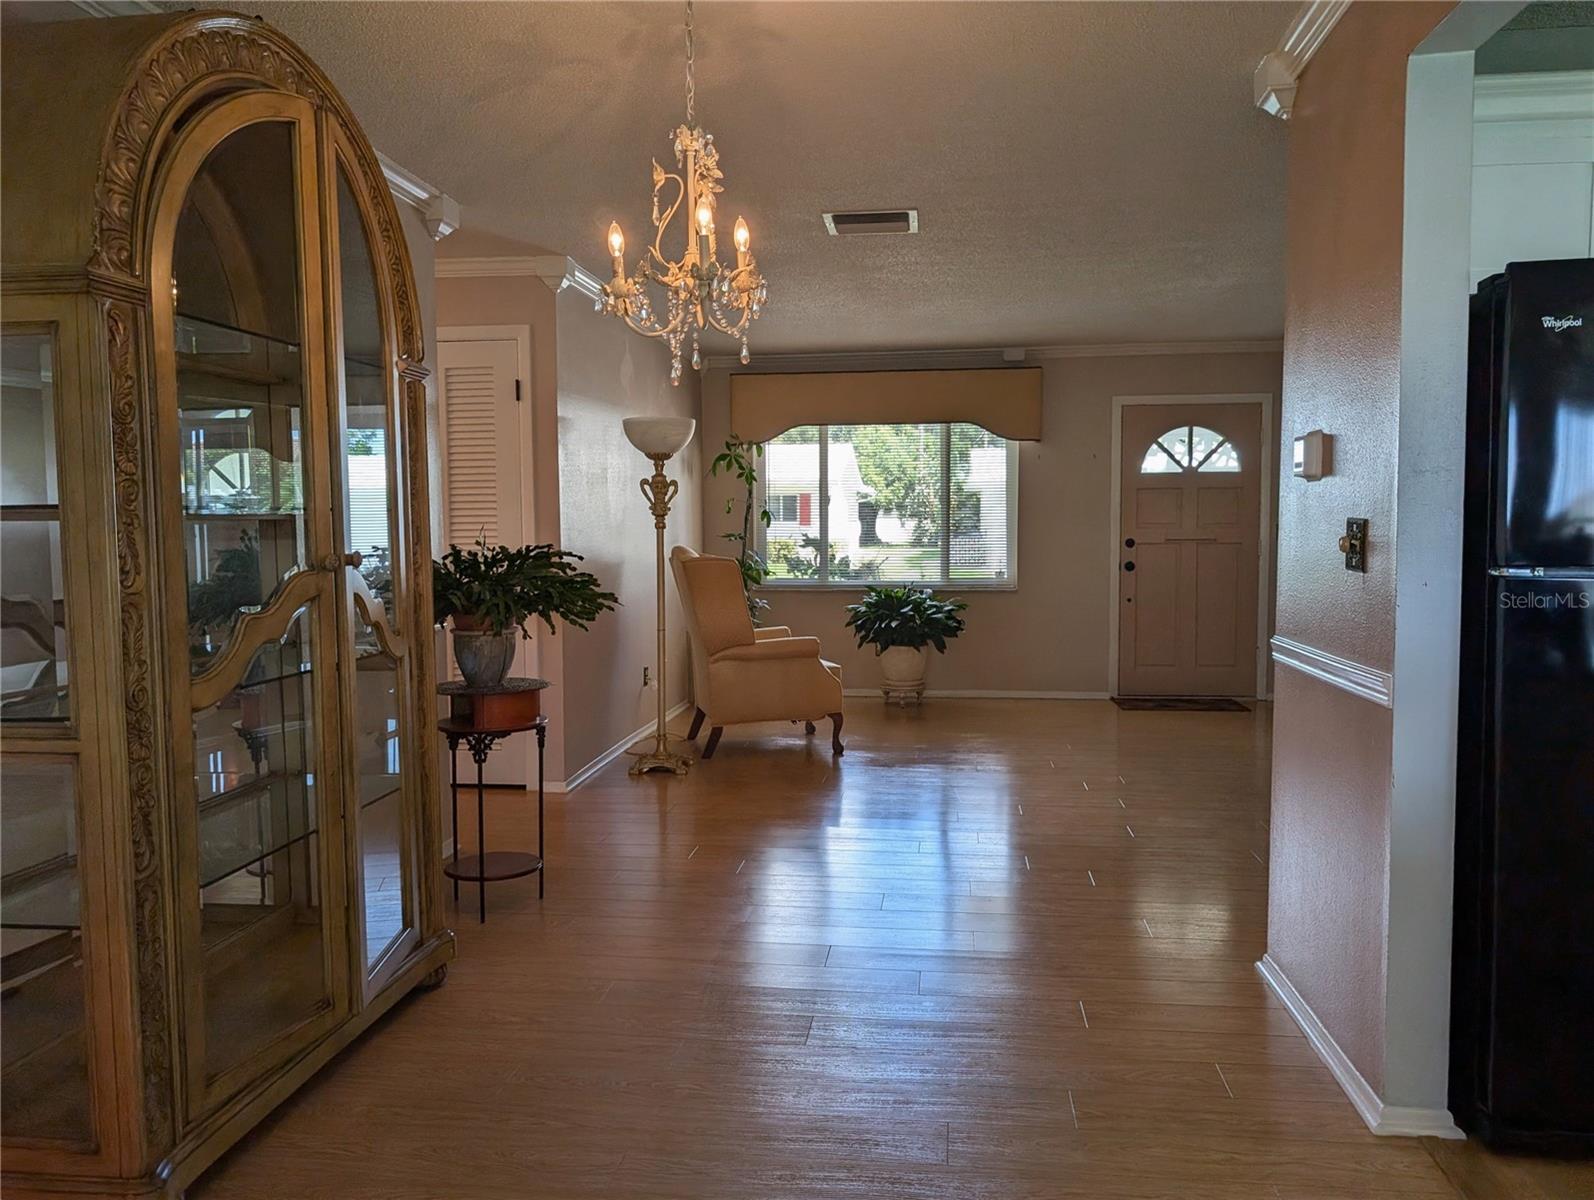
<point x="660" y="437"/>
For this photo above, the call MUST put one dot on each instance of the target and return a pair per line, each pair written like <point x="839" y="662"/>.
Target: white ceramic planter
<point x="902" y="669"/>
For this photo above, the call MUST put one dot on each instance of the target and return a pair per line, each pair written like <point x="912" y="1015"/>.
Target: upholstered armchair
<point x="741" y="674"/>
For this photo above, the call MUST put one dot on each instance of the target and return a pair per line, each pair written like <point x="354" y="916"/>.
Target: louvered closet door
<point x="486" y="452"/>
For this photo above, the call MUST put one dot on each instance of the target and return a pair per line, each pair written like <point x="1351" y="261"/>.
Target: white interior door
<point x="486" y="488"/>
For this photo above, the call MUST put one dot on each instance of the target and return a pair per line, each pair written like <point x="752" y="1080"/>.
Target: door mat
<point x="1179" y="704"/>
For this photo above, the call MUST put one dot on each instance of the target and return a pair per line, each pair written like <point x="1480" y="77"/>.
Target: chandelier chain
<point x="691" y="87"/>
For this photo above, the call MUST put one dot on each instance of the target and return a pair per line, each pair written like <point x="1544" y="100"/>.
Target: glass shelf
<point x="45" y="1081"/>
<point x="37" y="704"/>
<point x="225" y="352"/>
<point x="251" y="824"/>
<point x="267" y="819"/>
<point x="48" y="899"/>
<point x="275" y="664"/>
<point x="243" y="514"/>
<point x="30" y="512"/>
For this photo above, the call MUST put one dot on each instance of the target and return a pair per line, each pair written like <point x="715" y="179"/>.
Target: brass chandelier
<point x="698" y="292"/>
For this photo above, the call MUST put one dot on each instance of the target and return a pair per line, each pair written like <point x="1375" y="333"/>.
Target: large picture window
<point x="932" y="504"/>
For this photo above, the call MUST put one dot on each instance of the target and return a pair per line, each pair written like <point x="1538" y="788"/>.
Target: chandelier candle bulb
<point x="617" y="248"/>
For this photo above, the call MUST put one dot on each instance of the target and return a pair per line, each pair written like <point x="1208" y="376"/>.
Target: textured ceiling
<point x="1083" y="172"/>
<point x="1542" y="37"/>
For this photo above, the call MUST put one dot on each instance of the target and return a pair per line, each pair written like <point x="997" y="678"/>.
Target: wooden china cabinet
<point x="216" y="779"/>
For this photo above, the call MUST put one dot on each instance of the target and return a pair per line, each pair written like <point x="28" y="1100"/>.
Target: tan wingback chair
<point x="741" y="674"/>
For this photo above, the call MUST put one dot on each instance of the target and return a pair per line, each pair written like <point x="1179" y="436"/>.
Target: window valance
<point x="1004" y="400"/>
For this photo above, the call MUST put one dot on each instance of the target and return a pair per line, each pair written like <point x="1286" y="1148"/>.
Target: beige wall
<point x="523" y="300"/>
<point x="1332" y="750"/>
<point x="607" y="373"/>
<point x="1051" y="634"/>
<point x="588" y="372"/>
<point x="527" y="301"/>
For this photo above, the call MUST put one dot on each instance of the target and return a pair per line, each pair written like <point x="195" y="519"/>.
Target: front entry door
<point x="1191" y="478"/>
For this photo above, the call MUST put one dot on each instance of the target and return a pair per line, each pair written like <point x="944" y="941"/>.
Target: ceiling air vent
<point x="894" y="220"/>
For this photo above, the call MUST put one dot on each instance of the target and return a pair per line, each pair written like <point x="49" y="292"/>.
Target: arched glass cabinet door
<point x="252" y="572"/>
<point x="370" y="516"/>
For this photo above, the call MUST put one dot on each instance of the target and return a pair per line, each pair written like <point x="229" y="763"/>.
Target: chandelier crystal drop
<point x="698" y="292"/>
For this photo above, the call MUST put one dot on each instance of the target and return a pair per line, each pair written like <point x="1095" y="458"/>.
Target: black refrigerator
<point x="1522" y="1024"/>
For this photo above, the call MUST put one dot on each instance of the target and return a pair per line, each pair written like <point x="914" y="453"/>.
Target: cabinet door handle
<point x="333" y="563"/>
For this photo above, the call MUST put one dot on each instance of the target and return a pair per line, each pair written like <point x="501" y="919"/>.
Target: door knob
<point x="1129" y="566"/>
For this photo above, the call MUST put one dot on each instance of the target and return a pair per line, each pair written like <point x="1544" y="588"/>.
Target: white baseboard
<point x="1398" y="1121"/>
<point x="575" y="780"/>
<point x="1386" y="1120"/>
<point x="963" y="694"/>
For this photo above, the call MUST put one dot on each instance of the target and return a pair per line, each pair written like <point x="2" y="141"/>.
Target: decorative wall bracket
<point x="1274" y="80"/>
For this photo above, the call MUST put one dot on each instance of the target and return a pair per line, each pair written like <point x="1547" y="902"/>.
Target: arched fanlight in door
<point x="1190" y="448"/>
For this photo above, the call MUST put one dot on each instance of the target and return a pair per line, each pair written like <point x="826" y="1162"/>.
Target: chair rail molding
<point x="438" y="209"/>
<point x="556" y="270"/>
<point x="1273" y="82"/>
<point x="1367" y="682"/>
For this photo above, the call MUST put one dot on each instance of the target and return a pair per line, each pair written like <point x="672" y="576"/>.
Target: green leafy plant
<point x="233" y="585"/>
<point x="739" y="459"/>
<point x="904" y="616"/>
<point x="494" y="588"/>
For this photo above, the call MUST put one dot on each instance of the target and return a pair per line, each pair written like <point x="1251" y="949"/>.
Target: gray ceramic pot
<point x="484" y="658"/>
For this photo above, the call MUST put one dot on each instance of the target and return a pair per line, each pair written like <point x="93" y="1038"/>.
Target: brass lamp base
<point x="659" y="757"/>
<point x="652" y="761"/>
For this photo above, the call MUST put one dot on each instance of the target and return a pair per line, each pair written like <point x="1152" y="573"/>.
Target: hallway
<point x="1001" y="949"/>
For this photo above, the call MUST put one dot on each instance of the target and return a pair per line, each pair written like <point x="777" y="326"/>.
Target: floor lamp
<point x="660" y="438"/>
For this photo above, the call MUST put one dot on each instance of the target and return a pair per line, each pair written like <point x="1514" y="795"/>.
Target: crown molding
<point x="481" y="268"/>
<point x="556" y="270"/>
<point x="863" y="360"/>
<point x="1150" y="349"/>
<point x="1534" y="96"/>
<point x="1273" y="83"/>
<point x="438" y="209"/>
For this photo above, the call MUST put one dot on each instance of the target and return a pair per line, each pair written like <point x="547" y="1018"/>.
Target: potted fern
<point x="901" y="623"/>
<point x="488" y="593"/>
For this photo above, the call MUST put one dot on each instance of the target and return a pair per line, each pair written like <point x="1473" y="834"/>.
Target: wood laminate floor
<point x="1000" y="951"/>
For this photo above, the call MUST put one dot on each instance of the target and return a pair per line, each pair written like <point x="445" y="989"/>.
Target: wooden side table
<point x="486" y="867"/>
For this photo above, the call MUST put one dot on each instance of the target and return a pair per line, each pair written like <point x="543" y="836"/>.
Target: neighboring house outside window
<point x="890" y="488"/>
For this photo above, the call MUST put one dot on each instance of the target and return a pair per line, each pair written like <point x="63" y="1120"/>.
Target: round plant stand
<point x="486" y="867"/>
